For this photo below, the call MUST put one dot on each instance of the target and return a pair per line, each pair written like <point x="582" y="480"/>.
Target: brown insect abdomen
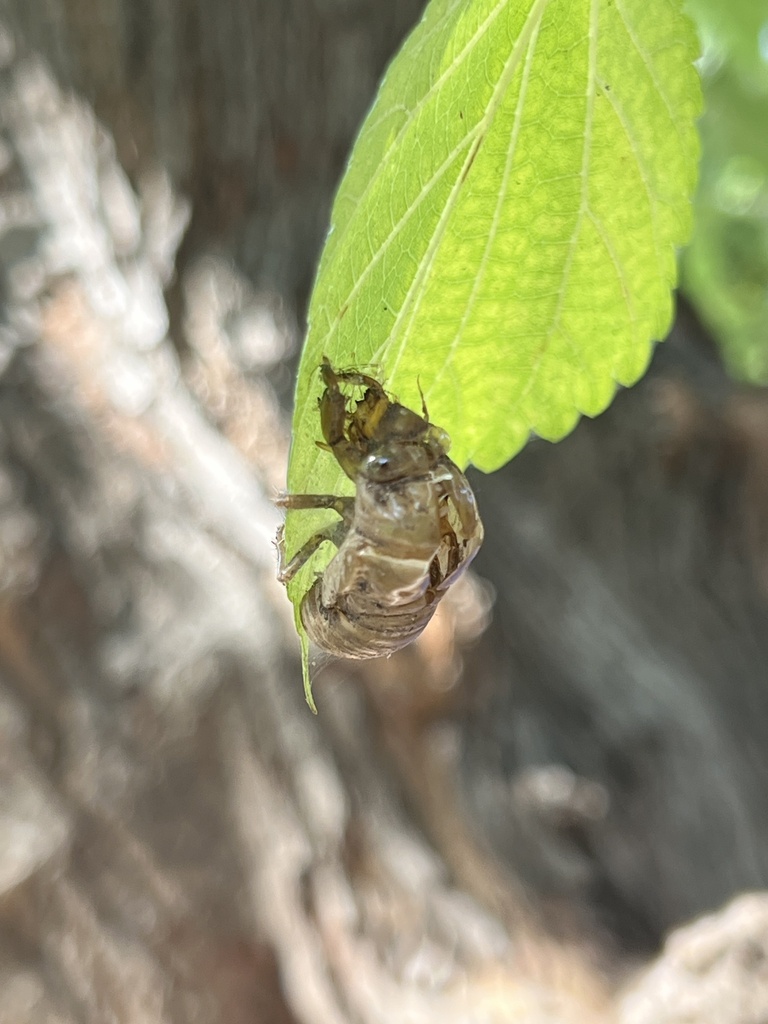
<point x="349" y="631"/>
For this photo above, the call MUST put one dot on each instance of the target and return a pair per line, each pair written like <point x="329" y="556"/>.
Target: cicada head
<point x="396" y="461"/>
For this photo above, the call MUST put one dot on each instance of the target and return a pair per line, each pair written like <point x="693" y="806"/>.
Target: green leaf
<point x="505" y="234"/>
<point x="725" y="268"/>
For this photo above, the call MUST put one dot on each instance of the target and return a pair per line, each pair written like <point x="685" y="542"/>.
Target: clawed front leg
<point x="332" y="377"/>
<point x="334" y="423"/>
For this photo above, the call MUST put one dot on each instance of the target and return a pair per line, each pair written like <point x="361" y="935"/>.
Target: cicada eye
<point x="381" y="468"/>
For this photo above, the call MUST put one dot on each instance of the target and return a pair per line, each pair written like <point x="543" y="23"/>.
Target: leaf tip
<point x="308" y="696"/>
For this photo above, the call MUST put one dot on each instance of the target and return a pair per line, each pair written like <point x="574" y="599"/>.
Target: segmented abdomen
<point x="360" y="634"/>
<point x="409" y="540"/>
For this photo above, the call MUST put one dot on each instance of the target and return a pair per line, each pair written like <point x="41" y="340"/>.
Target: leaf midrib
<point x="530" y="26"/>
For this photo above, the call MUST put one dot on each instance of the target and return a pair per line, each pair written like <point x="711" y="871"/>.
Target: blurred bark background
<point x="501" y="823"/>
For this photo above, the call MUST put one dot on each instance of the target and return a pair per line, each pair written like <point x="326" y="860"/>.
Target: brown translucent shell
<point x="407" y="535"/>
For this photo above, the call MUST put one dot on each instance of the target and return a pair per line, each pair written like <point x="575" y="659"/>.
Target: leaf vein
<point x="617" y="266"/>
<point x="433" y="89"/>
<point x="652" y="198"/>
<point x="648" y="65"/>
<point x="492" y="233"/>
<point x="583" y="207"/>
<point x="531" y="25"/>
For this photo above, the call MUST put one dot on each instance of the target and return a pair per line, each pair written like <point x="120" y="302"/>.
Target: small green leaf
<point x="505" y="234"/>
<point x="725" y="268"/>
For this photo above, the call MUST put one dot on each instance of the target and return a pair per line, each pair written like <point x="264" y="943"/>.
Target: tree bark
<point x="489" y="825"/>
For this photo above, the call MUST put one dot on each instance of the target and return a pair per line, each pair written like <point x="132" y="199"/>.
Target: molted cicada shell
<point x="410" y="531"/>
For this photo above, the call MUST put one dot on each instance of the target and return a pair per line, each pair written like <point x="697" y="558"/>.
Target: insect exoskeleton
<point x="407" y="535"/>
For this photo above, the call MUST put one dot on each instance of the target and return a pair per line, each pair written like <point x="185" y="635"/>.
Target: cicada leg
<point x="333" y="408"/>
<point x="343" y="507"/>
<point x="334" y="420"/>
<point x="334" y="532"/>
<point x="348" y="435"/>
<point x="424" y="409"/>
<point x="332" y="377"/>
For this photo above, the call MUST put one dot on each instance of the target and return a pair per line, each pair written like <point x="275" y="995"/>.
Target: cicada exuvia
<point x="409" y="532"/>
